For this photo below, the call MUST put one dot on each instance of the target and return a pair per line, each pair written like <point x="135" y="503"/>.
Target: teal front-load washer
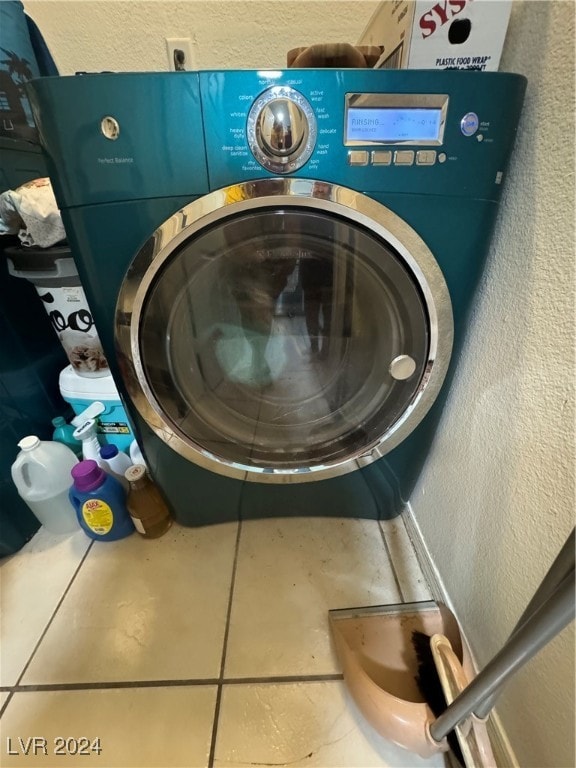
<point x="280" y="265"/>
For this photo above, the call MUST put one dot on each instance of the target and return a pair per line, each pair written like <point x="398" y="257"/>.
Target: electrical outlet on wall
<point x="180" y="55"/>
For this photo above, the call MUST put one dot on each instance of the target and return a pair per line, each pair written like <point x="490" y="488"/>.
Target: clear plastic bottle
<point x="146" y="506"/>
<point x="116" y="463"/>
<point x="41" y="473"/>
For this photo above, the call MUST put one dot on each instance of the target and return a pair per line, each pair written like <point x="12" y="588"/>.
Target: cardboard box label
<point x="439" y="34"/>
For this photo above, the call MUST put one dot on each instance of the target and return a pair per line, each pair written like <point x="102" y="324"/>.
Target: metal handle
<point x="562" y="565"/>
<point x="545" y="623"/>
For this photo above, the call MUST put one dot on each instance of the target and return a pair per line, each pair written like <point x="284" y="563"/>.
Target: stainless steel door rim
<point x="283" y="194"/>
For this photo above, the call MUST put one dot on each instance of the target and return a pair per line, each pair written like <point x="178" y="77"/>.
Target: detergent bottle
<point x="100" y="503"/>
<point x="41" y="474"/>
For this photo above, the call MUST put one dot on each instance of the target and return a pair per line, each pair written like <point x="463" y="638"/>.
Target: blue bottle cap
<point x="108" y="451"/>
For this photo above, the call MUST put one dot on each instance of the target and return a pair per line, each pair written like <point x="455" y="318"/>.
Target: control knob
<point x="281" y="129"/>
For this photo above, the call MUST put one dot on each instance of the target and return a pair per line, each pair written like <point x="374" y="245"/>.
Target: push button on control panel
<point x="426" y="157"/>
<point x="399" y="157"/>
<point x="469" y="124"/>
<point x="381" y="157"/>
<point x="404" y="157"/>
<point x="357" y="157"/>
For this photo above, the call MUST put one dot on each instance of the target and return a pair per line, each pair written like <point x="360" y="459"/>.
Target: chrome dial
<point x="281" y="129"/>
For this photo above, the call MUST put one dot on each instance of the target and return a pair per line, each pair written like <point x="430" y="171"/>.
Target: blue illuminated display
<point x="393" y="124"/>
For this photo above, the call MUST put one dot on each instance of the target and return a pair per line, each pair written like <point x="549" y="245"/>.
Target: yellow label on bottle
<point x="97" y="516"/>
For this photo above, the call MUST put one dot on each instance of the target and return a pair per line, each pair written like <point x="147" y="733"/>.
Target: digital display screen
<point x="393" y="124"/>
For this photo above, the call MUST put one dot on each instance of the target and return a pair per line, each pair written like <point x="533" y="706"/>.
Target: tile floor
<point x="207" y="647"/>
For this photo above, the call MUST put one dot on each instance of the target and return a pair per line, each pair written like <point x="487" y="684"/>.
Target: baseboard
<point x="501" y="746"/>
<point x="429" y="570"/>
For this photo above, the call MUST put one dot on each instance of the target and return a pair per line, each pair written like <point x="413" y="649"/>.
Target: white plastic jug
<point x="41" y="473"/>
<point x="136" y="454"/>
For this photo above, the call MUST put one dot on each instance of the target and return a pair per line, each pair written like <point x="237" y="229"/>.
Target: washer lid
<point x="284" y="340"/>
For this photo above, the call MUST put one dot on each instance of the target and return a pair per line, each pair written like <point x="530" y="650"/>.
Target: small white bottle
<point x="116" y="463"/>
<point x="41" y="473"/>
<point x="136" y="454"/>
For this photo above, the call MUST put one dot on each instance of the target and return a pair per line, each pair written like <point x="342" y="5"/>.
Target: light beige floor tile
<point x="290" y="573"/>
<point x="32" y="582"/>
<point x="137" y="727"/>
<point x="143" y="610"/>
<point x="304" y="724"/>
<point x="408" y="572"/>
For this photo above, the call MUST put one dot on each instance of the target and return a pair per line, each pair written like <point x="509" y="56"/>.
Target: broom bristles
<point x="430" y="686"/>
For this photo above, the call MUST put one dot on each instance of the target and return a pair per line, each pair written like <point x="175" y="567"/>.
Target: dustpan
<point x="379" y="663"/>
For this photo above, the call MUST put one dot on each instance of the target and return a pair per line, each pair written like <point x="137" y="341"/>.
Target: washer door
<point x="284" y="330"/>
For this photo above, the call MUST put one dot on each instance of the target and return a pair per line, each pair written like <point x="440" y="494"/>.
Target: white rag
<point x="31" y="213"/>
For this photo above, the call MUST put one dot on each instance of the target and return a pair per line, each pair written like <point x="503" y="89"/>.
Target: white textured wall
<point x="120" y="35"/>
<point x="496" y="500"/>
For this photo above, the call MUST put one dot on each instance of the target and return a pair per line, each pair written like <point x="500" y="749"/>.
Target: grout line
<point x="47" y="627"/>
<point x="110" y="685"/>
<point x="224" y="647"/>
<point x="3" y="708"/>
<point x="191" y="682"/>
<point x="396" y="580"/>
<point x="284" y="679"/>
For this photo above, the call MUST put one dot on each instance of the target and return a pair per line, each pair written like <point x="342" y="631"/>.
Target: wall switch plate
<point x="180" y="55"/>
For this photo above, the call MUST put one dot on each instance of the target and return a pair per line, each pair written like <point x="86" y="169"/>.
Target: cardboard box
<point x="439" y="34"/>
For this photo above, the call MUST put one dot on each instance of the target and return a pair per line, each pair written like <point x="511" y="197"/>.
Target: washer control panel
<point x="281" y="129"/>
<point x="380" y="130"/>
<point x="376" y="131"/>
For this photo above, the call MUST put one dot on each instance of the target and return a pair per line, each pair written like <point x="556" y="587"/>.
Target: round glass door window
<point x="283" y="339"/>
